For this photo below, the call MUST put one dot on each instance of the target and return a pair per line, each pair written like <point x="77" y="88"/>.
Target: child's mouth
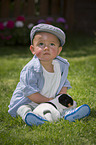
<point x="46" y="54"/>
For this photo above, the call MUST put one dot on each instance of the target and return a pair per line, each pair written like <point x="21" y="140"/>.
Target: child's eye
<point x="52" y="44"/>
<point x="41" y="44"/>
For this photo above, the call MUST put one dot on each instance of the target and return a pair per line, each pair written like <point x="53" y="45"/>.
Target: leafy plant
<point x="18" y="32"/>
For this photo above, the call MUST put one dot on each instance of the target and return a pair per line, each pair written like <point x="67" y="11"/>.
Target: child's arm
<point x="38" y="98"/>
<point x="63" y="90"/>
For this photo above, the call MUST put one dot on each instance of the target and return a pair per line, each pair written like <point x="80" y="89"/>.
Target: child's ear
<point x="32" y="49"/>
<point x="60" y="49"/>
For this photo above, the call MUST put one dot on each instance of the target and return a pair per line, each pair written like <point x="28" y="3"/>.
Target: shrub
<point x="18" y="32"/>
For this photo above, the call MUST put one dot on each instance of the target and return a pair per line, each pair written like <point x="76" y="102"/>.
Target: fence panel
<point x="44" y="8"/>
<point x="37" y="9"/>
<point x="17" y="4"/>
<point x="31" y="8"/>
<point x="5" y="7"/>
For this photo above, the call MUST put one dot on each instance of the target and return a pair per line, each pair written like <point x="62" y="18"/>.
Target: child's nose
<point x="46" y="47"/>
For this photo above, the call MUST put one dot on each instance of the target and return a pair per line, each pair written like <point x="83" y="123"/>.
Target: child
<point x="44" y="77"/>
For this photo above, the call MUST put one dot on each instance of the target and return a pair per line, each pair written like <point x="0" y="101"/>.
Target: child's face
<point x="46" y="46"/>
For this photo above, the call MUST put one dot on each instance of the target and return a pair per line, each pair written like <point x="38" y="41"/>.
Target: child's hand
<point x="51" y="99"/>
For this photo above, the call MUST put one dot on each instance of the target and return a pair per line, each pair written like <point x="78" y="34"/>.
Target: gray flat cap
<point x="50" y="29"/>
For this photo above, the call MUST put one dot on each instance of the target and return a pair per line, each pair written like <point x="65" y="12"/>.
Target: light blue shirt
<point x="32" y="81"/>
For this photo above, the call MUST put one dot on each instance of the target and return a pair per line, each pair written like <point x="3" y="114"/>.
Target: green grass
<point x="80" y="50"/>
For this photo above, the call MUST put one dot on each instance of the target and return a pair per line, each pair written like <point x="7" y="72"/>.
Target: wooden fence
<point x="78" y="13"/>
<point x="36" y="9"/>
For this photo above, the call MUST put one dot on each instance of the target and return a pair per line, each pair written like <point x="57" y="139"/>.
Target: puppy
<point x="53" y="109"/>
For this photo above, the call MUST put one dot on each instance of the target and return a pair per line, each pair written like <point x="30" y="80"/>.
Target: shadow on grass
<point x="93" y="113"/>
<point x="15" y="51"/>
<point x="76" y="45"/>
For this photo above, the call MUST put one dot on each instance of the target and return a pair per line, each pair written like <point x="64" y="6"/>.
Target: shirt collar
<point x="37" y="65"/>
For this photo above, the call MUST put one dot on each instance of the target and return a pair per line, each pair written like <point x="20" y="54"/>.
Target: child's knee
<point x="22" y="110"/>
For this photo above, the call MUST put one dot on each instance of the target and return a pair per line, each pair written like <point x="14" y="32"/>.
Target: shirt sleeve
<point x="67" y="84"/>
<point x="28" y="82"/>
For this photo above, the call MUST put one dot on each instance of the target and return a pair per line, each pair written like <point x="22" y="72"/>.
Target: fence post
<point x="5" y="5"/>
<point x="31" y="8"/>
<point x="17" y="8"/>
<point x="55" y="7"/>
<point x="43" y="8"/>
<point x="70" y="13"/>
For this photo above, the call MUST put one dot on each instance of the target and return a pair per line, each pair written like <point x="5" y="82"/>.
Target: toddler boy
<point x="44" y="77"/>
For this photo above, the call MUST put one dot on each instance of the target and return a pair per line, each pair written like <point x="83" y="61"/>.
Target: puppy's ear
<point x="65" y="99"/>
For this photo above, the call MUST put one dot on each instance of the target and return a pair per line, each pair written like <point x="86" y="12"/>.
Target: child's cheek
<point x="38" y="53"/>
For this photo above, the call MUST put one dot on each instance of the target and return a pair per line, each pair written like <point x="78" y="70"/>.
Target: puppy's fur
<point x="51" y="110"/>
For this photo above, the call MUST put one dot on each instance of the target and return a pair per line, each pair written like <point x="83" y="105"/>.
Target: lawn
<point x="80" y="50"/>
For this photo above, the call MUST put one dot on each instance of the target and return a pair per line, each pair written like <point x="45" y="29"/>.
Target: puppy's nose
<point x="69" y="105"/>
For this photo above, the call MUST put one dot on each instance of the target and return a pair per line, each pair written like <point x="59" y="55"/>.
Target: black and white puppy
<point x="52" y="110"/>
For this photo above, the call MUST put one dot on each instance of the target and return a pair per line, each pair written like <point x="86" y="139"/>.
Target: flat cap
<point x="50" y="29"/>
